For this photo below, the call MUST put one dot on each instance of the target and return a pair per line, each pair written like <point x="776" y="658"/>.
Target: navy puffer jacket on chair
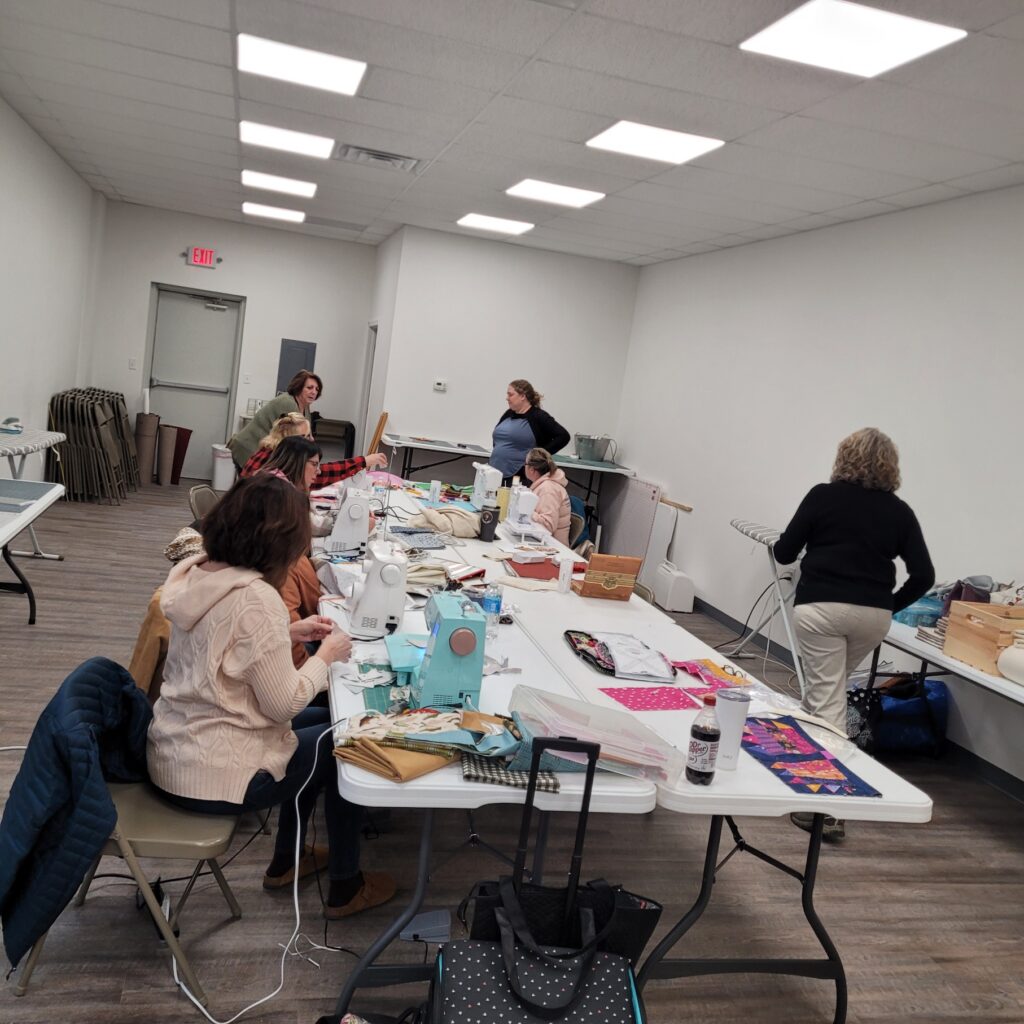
<point x="60" y="813"/>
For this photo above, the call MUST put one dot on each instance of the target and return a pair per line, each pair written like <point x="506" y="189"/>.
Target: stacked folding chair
<point x="98" y="461"/>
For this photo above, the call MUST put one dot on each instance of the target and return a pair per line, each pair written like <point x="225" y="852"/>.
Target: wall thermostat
<point x="440" y="385"/>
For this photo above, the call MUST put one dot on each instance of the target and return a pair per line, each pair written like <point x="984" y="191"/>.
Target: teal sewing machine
<point x="451" y="672"/>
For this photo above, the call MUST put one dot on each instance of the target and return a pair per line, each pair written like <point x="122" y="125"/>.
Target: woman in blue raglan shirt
<point x="523" y="426"/>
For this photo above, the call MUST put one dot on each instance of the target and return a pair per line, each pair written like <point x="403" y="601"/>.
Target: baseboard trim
<point x="759" y="641"/>
<point x="995" y="776"/>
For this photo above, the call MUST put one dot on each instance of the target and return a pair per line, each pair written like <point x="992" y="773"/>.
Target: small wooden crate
<point x="609" y="576"/>
<point x="977" y="632"/>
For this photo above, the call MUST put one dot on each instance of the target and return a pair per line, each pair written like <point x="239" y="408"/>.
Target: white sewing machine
<point x="352" y="525"/>
<point x="485" y="485"/>
<point x="378" y="601"/>
<point x="519" y="524"/>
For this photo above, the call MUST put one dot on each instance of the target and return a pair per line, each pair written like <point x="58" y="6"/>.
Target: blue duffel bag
<point x="913" y="718"/>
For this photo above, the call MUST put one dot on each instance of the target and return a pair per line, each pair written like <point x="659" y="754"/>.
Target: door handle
<point x="156" y="382"/>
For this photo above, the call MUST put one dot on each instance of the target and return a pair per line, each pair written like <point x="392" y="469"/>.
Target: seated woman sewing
<point x="548" y="482"/>
<point x="232" y="731"/>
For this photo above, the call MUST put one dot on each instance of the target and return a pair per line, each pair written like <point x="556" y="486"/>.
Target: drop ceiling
<point x="142" y="99"/>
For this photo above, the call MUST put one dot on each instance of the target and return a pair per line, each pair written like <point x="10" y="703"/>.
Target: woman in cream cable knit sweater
<point x="231" y="731"/>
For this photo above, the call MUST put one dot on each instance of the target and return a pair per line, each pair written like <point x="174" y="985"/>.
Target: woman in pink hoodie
<point x="547" y="481"/>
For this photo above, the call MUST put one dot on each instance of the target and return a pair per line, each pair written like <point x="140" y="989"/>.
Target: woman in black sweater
<point x="853" y="528"/>
<point x="524" y="425"/>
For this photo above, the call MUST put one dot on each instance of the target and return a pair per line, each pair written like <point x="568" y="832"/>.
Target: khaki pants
<point x="834" y="638"/>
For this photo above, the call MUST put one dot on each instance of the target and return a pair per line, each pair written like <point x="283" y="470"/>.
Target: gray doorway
<point x="295" y="356"/>
<point x="193" y="364"/>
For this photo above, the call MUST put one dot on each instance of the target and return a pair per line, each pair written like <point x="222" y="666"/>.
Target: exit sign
<point x="197" y="256"/>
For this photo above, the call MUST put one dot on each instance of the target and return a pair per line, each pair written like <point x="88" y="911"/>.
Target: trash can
<point x="223" y="468"/>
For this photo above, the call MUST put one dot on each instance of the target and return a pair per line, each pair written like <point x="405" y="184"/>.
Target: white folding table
<point x="18" y="446"/>
<point x="750" y="790"/>
<point x="22" y="502"/>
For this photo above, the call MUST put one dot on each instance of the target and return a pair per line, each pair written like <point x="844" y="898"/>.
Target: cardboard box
<point x="612" y="577"/>
<point x="977" y="632"/>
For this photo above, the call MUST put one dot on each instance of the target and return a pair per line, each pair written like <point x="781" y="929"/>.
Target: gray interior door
<point x="192" y="371"/>
<point x="295" y="356"/>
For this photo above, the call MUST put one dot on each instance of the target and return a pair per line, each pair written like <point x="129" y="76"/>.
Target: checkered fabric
<point x="492" y="770"/>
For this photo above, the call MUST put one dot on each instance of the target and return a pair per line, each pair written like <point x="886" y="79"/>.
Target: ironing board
<point x="21" y="503"/>
<point x="18" y="446"/>
<point x="767" y="536"/>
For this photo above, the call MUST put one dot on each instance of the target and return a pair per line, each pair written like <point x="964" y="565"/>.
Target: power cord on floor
<point x="746" y="622"/>
<point x="288" y="949"/>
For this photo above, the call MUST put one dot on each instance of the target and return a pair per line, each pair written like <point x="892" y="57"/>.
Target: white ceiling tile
<point x="134" y="28"/>
<point x="718" y="21"/>
<point x="810" y="222"/>
<point x="795" y="169"/>
<point x="513" y="115"/>
<point x="922" y="196"/>
<point x="98" y="136"/>
<point x="979" y="67"/>
<point x="376" y="43"/>
<point x="1011" y="28"/>
<point x="869" y="208"/>
<point x="618" y="99"/>
<point x="917" y="114"/>
<point x="79" y="76"/>
<point x="972" y="15"/>
<point x="570" y="246"/>
<point x="692" y="65"/>
<point x="421" y="93"/>
<point x="864" y="148"/>
<point x="100" y="53"/>
<point x="23" y="101"/>
<point x="798" y="198"/>
<point x="214" y="13"/>
<point x="1001" y="177"/>
<point x="128" y="107"/>
<point x="518" y="27"/>
<point x="673" y="215"/>
<point x="727" y="206"/>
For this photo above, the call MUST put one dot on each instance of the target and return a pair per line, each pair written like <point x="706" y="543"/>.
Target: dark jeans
<point x="343" y="818"/>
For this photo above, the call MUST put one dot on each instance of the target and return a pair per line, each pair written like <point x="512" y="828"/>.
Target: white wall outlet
<point x="133" y="364"/>
<point x="440" y="385"/>
<point x="247" y="379"/>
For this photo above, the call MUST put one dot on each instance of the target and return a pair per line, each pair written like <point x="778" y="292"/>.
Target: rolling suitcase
<point x="517" y="979"/>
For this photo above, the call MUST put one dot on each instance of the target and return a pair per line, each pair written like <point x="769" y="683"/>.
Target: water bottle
<point x="703" y="749"/>
<point x="492" y="609"/>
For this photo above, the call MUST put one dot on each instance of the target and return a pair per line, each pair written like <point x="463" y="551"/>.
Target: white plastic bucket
<point x="223" y="468"/>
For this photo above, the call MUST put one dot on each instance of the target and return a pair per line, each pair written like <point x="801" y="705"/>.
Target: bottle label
<point x="492" y="605"/>
<point x="702" y="754"/>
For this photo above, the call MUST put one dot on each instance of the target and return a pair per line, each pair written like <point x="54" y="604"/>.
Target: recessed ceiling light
<point x="496" y="224"/>
<point x="283" y="138"/>
<point x="294" y="64"/>
<point x="275" y="212"/>
<point x="547" y="192"/>
<point x="849" y="37"/>
<point x="653" y="143"/>
<point x="272" y="183"/>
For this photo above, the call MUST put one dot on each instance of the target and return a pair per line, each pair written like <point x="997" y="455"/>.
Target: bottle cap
<point x="710" y="700"/>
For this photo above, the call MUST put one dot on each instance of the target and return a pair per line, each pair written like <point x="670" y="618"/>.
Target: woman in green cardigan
<point x="303" y="390"/>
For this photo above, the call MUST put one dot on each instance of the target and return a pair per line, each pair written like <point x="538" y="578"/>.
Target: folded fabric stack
<point x="934" y="635"/>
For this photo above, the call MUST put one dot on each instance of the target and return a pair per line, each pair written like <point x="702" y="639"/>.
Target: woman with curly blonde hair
<point x="853" y="528"/>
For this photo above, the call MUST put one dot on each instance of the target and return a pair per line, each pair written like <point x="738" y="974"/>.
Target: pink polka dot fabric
<point x="651" y="698"/>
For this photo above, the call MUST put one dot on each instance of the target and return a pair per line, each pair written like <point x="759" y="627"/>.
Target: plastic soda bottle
<point x="703" y="748"/>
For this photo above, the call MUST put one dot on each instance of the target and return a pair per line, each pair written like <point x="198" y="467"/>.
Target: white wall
<point x="747" y="366"/>
<point x="382" y="313"/>
<point x="50" y="218"/>
<point x="295" y="286"/>
<point x="480" y="313"/>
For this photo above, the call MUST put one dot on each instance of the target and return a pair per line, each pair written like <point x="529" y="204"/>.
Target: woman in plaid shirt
<point x="294" y="424"/>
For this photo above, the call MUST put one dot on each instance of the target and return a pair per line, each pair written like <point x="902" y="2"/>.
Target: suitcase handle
<point x="571" y="745"/>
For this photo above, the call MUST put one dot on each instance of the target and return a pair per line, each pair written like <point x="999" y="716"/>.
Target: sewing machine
<point x="451" y="673"/>
<point x="352" y="525"/>
<point x="519" y="524"/>
<point x="378" y="601"/>
<point x="485" y="485"/>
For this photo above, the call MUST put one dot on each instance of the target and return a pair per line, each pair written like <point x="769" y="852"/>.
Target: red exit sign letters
<point x="198" y="256"/>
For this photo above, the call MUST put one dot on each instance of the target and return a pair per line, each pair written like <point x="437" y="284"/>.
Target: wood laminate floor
<point x="928" y="918"/>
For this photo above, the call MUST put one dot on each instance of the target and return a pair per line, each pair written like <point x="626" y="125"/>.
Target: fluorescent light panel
<point x="849" y="37"/>
<point x="303" y="67"/>
<point x="547" y="192"/>
<point x="652" y="143"/>
<point x="272" y="183"/>
<point x="499" y="225"/>
<point x="284" y="138"/>
<point x="274" y="212"/>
